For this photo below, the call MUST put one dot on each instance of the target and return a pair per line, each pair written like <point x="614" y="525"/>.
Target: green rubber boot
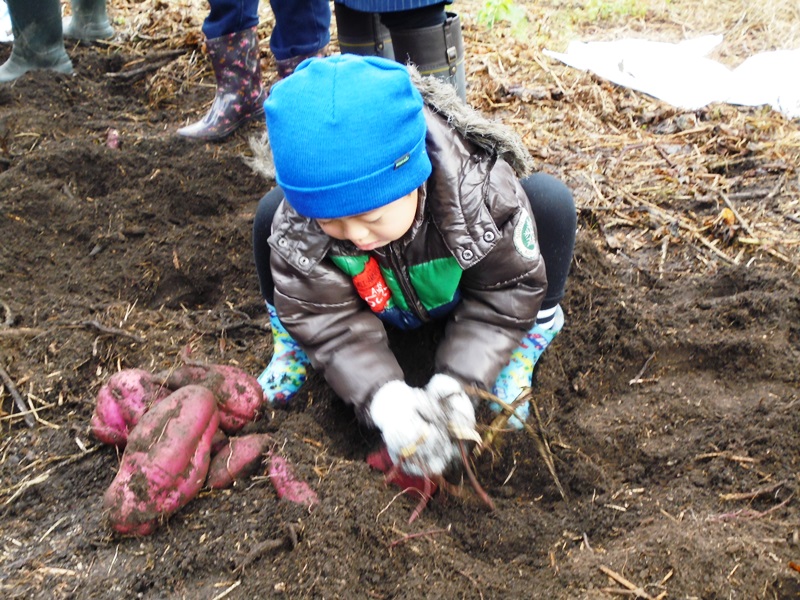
<point x="89" y="21"/>
<point x="38" y="40"/>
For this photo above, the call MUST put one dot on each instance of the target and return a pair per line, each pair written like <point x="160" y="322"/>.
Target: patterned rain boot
<point x="240" y="95"/>
<point x="38" y="41"/>
<point x="287" y="66"/>
<point x="518" y="373"/>
<point x="288" y="368"/>
<point x="89" y="21"/>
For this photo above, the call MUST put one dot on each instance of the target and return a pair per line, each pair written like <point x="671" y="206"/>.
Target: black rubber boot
<point x="362" y="33"/>
<point x="38" y="41"/>
<point x="89" y="21"/>
<point x="436" y="50"/>
<point x="240" y="95"/>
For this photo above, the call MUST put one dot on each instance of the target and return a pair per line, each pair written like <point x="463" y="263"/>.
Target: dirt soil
<point x="670" y="399"/>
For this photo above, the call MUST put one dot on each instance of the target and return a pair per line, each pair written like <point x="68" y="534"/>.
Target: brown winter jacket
<point x="470" y="208"/>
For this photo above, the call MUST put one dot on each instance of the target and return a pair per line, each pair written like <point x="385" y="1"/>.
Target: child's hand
<point x="456" y="405"/>
<point x="414" y="427"/>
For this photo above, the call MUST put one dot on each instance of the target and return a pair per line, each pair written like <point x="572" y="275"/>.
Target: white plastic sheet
<point x="5" y="23"/>
<point x="682" y="75"/>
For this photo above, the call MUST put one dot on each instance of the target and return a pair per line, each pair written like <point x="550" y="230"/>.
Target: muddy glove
<point x="414" y="427"/>
<point x="456" y="405"/>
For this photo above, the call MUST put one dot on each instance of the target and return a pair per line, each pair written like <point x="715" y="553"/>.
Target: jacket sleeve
<point x="502" y="295"/>
<point x="342" y="337"/>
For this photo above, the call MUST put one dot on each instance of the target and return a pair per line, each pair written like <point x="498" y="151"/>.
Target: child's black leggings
<point x="553" y="210"/>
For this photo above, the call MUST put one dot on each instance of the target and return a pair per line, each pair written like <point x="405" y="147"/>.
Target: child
<point x="400" y="211"/>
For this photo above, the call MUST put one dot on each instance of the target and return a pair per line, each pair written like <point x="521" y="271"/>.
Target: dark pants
<point x="553" y="209"/>
<point x="302" y="27"/>
<point x="230" y="16"/>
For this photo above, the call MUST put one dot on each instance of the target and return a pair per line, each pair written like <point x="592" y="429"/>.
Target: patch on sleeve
<point x="525" y="239"/>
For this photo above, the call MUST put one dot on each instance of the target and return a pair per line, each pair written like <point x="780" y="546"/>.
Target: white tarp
<point x="5" y="23"/>
<point x="682" y="75"/>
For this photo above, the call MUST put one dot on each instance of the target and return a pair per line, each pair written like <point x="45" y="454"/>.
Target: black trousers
<point x="553" y="209"/>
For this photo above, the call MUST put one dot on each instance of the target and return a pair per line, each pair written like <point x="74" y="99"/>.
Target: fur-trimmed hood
<point x="441" y="97"/>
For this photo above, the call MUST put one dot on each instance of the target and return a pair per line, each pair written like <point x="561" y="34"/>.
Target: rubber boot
<point x="38" y="40"/>
<point x="240" y="95"/>
<point x="286" y="66"/>
<point x="288" y="368"/>
<point x="436" y="50"/>
<point x="89" y="21"/>
<point x="518" y="373"/>
<point x="362" y="33"/>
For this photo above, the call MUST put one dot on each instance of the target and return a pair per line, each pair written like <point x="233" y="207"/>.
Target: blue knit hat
<point x="347" y="134"/>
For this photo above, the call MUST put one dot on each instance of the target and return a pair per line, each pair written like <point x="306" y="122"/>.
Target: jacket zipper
<point x="405" y="284"/>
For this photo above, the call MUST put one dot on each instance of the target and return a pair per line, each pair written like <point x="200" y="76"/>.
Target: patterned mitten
<point x="287" y="370"/>
<point x="518" y="373"/>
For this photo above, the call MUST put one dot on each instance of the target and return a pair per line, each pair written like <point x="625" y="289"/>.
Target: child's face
<point x="377" y="227"/>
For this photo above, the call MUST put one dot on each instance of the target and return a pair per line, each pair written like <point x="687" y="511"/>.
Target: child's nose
<point x="356" y="232"/>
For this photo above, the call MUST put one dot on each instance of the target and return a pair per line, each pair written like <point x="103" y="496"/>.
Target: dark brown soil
<point x="683" y="482"/>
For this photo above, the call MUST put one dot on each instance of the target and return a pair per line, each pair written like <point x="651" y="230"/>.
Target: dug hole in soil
<point x="670" y="400"/>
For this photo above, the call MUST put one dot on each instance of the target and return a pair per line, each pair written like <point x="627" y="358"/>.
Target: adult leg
<point x="301" y="30"/>
<point x="38" y="40"/>
<point x="232" y="44"/>
<point x="288" y="367"/>
<point x="362" y="33"/>
<point x="89" y="21"/>
<point x="430" y="39"/>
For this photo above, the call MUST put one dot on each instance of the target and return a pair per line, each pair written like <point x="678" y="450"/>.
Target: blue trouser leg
<point x="302" y="27"/>
<point x="230" y="16"/>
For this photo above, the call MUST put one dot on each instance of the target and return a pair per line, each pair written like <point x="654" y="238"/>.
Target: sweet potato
<point x="239" y="458"/>
<point x="122" y="401"/>
<point x="239" y="395"/>
<point x="287" y="485"/>
<point x="165" y="461"/>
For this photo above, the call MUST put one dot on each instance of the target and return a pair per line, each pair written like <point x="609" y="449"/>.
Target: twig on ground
<point x="12" y="389"/>
<point x="419" y="534"/>
<point x="749" y="514"/>
<point x="632" y="588"/>
<point x="158" y="60"/>
<point x="638" y="378"/>
<point x="539" y="437"/>
<point x="754" y="494"/>
<point x="726" y="456"/>
<point x="112" y="330"/>
<point x="8" y="321"/>
<point x="289" y="542"/>
<point x="24" y="485"/>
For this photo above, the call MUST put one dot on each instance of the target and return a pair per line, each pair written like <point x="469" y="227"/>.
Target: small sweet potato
<point x="239" y="395"/>
<point x="287" y="485"/>
<point x="122" y="401"/>
<point x="165" y="461"/>
<point x="239" y="458"/>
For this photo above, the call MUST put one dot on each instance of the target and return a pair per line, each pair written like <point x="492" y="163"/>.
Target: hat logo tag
<point x="402" y="160"/>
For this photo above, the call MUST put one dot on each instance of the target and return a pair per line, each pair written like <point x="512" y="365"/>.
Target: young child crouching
<point x="395" y="208"/>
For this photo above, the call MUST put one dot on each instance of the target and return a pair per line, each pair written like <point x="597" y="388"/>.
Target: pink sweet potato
<point x="122" y="401"/>
<point x="165" y="461"/>
<point x="287" y="485"/>
<point x="239" y="395"/>
<point x="239" y="458"/>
